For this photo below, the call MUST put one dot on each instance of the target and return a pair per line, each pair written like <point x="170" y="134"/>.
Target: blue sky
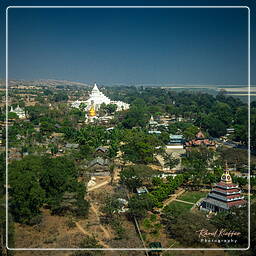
<point x="129" y="46"/>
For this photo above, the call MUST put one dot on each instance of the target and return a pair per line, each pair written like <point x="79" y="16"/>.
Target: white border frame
<point x="132" y="249"/>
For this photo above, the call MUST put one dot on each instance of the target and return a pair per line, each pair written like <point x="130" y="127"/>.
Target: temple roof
<point x="96" y="98"/>
<point x="216" y="203"/>
<point x="224" y="197"/>
<point x="95" y="88"/>
<point x="224" y="205"/>
<point x="232" y="190"/>
<point x="176" y="137"/>
<point x="235" y="203"/>
<point x="227" y="185"/>
<point x="98" y="160"/>
<point x="196" y="142"/>
<point x="200" y="135"/>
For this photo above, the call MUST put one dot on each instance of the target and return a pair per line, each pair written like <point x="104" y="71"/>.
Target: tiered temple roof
<point x="224" y="195"/>
<point x="200" y="140"/>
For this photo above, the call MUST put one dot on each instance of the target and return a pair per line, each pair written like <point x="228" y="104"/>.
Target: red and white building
<point x="224" y="195"/>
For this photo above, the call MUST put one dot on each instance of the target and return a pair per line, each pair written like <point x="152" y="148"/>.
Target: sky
<point x="129" y="46"/>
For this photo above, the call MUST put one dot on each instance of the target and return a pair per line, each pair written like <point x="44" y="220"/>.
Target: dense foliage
<point x="140" y="147"/>
<point x="140" y="204"/>
<point x="36" y="181"/>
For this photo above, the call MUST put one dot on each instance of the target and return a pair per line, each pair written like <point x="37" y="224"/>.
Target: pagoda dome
<point x="226" y="177"/>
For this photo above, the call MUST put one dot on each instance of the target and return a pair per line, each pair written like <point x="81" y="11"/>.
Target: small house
<point x="141" y="190"/>
<point x="101" y="150"/>
<point x="99" y="164"/>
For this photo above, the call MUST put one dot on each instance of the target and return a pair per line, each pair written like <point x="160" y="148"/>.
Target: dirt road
<point x="185" y="202"/>
<point x="172" y="198"/>
<point x="98" y="185"/>
<point x="89" y="234"/>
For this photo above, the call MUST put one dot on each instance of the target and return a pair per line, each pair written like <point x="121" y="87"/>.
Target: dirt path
<point x="116" y="173"/>
<point x="160" y="160"/>
<point x="95" y="212"/>
<point x="98" y="185"/>
<point x="186" y="202"/>
<point x="173" y="197"/>
<point x="105" y="231"/>
<point x="89" y="234"/>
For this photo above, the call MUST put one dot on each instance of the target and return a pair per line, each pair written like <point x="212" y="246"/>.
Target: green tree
<point x="137" y="115"/>
<point x="140" y="147"/>
<point x="133" y="176"/>
<point x="190" y="132"/>
<point x="111" y="108"/>
<point x="185" y="227"/>
<point x="93" y="136"/>
<point x="170" y="161"/>
<point x="130" y="178"/>
<point x="60" y="96"/>
<point x="82" y="107"/>
<point x="212" y="124"/>
<point x="237" y="220"/>
<point x="36" y="180"/>
<point x="26" y="196"/>
<point x="196" y="164"/>
<point x="139" y="205"/>
<point x="12" y="115"/>
<point x="54" y="149"/>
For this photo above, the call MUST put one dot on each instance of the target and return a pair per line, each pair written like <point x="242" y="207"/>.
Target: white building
<point x="176" y="142"/>
<point x="97" y="98"/>
<point x="19" y="112"/>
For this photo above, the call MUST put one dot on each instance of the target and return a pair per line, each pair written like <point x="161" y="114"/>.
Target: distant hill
<point x="41" y="82"/>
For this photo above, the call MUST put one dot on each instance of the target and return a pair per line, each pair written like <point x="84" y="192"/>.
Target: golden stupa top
<point x="226" y="177"/>
<point x="92" y="111"/>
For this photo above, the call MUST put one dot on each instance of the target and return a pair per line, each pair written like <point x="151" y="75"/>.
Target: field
<point x="179" y="207"/>
<point x="192" y="196"/>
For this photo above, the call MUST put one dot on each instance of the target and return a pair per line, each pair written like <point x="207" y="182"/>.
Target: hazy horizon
<point x="129" y="84"/>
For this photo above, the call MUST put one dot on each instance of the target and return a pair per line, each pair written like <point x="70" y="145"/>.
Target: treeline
<point x="213" y="114"/>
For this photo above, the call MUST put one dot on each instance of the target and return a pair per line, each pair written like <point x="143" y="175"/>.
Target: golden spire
<point x="92" y="111"/>
<point x="226" y="177"/>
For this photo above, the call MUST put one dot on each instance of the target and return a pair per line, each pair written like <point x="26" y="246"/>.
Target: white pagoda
<point x="19" y="112"/>
<point x="96" y="98"/>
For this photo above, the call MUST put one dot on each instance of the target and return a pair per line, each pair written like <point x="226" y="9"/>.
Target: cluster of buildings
<point x="178" y="141"/>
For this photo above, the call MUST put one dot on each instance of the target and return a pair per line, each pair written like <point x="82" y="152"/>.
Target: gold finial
<point x="226" y="177"/>
<point x="226" y="165"/>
